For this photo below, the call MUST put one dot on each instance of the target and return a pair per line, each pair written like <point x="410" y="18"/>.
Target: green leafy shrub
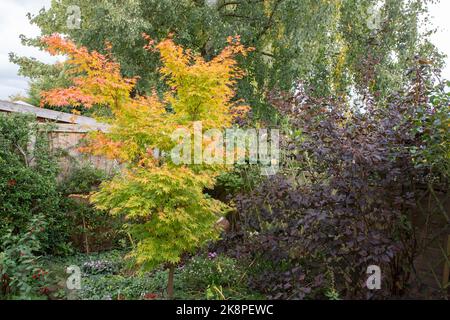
<point x="91" y="230"/>
<point x="204" y="271"/>
<point x="82" y="180"/>
<point x="28" y="187"/>
<point x="431" y="124"/>
<point x="21" y="275"/>
<point x="243" y="178"/>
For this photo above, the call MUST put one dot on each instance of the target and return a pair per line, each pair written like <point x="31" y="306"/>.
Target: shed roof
<point x="56" y="116"/>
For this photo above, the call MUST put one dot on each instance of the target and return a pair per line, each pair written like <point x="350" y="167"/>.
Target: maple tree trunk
<point x="170" y="281"/>
<point x="86" y="241"/>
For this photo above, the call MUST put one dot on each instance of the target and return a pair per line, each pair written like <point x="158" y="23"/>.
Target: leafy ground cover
<point x="107" y="276"/>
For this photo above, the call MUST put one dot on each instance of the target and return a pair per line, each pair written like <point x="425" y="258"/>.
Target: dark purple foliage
<point x="341" y="204"/>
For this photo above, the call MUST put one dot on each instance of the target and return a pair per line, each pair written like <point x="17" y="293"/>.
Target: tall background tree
<point x="327" y="45"/>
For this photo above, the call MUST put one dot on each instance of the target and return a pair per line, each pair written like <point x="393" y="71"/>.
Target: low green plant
<point x="214" y="292"/>
<point x="109" y="275"/>
<point x="244" y="177"/>
<point x="100" y="267"/>
<point x="211" y="270"/>
<point x="116" y="287"/>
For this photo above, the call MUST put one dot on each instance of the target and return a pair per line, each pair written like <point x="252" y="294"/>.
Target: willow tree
<point x="168" y="213"/>
<point x="327" y="45"/>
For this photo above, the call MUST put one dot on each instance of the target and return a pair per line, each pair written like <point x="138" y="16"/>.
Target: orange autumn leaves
<point x="200" y="91"/>
<point x="96" y="77"/>
<point x="139" y="126"/>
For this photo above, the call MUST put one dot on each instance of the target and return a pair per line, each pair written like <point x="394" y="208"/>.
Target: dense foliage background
<point x="330" y="46"/>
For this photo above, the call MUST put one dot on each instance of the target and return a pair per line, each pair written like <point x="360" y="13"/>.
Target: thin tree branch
<point x="270" y="22"/>
<point x="23" y="154"/>
<point x="225" y="4"/>
<point x="230" y="3"/>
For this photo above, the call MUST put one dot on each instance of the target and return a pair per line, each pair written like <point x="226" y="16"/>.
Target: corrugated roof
<point x="59" y="117"/>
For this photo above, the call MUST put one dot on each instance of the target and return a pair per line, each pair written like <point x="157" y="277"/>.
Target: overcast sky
<point x="13" y="22"/>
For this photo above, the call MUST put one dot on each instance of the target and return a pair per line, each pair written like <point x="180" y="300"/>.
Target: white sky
<point x="13" y="22"/>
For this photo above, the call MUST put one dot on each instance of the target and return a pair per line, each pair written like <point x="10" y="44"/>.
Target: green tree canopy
<point x="326" y="45"/>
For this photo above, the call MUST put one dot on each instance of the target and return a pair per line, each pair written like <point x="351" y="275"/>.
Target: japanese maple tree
<point x="167" y="212"/>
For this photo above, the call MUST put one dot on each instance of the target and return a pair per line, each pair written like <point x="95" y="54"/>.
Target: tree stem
<point x="170" y="281"/>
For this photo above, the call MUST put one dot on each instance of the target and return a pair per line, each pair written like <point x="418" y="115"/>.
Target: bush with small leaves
<point x="21" y="274"/>
<point x="203" y="271"/>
